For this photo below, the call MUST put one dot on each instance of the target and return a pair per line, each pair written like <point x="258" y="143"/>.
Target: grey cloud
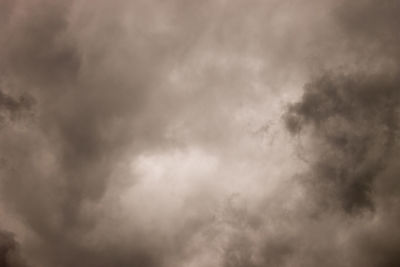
<point x="348" y="120"/>
<point x="14" y="108"/>
<point x="87" y="89"/>
<point x="94" y="106"/>
<point x="356" y="119"/>
<point x="9" y="251"/>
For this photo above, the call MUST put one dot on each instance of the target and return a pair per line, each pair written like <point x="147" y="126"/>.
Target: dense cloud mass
<point x="355" y="129"/>
<point x="199" y="133"/>
<point x="9" y="254"/>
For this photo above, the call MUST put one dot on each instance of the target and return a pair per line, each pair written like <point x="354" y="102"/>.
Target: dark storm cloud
<point x="348" y="123"/>
<point x="354" y="120"/>
<point x="9" y="253"/>
<point x="87" y="88"/>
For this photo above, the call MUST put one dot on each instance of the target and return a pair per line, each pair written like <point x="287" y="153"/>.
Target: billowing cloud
<point x="210" y="133"/>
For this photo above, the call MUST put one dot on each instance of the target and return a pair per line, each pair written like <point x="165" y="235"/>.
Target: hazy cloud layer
<point x="199" y="133"/>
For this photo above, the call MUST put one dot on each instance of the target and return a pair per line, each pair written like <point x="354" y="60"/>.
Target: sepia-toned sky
<point x="184" y="133"/>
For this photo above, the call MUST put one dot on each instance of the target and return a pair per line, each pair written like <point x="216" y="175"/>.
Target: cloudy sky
<point x="216" y="133"/>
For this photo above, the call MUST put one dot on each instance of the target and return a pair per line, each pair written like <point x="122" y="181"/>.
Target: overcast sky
<point x="215" y="133"/>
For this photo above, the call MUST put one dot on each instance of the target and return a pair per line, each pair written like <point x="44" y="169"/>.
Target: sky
<point x="215" y="133"/>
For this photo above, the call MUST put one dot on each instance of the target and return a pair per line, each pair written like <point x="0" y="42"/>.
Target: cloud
<point x="149" y="133"/>
<point x="347" y="122"/>
<point x="9" y="251"/>
<point x="354" y="122"/>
